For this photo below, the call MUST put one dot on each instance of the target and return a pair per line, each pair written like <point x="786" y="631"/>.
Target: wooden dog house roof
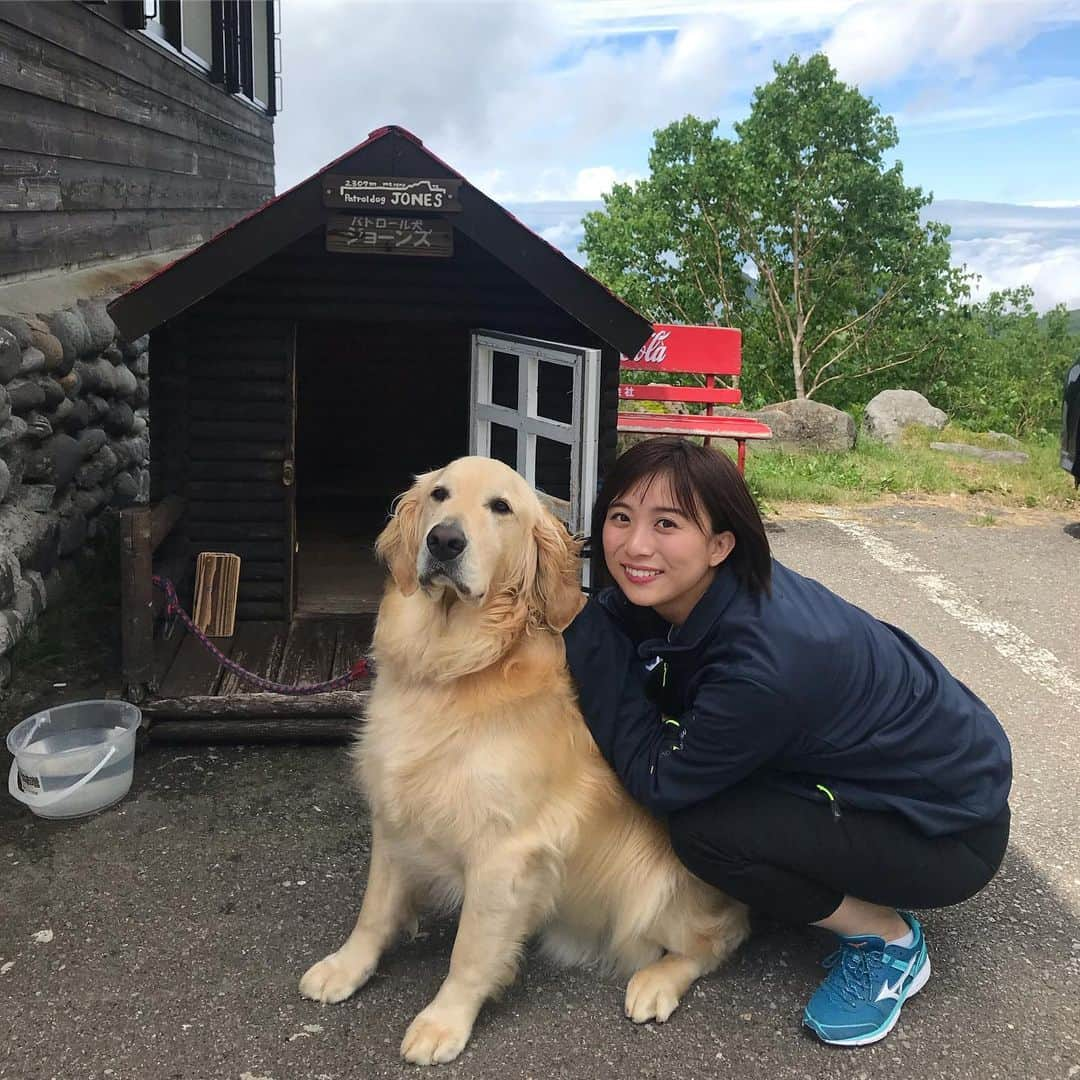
<point x="387" y="151"/>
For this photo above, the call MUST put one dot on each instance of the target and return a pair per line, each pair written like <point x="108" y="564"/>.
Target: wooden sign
<point x="394" y="193"/>
<point x="365" y="233"/>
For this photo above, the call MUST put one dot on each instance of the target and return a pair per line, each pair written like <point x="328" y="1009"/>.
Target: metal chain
<point x="361" y="669"/>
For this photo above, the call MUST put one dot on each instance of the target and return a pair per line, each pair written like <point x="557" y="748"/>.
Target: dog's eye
<point x="500" y="506"/>
<point x="440" y="494"/>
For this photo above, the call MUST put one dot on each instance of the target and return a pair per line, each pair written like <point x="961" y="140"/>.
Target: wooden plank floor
<point x="311" y="650"/>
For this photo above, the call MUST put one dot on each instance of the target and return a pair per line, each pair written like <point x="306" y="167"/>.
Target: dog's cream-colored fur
<point x="487" y="791"/>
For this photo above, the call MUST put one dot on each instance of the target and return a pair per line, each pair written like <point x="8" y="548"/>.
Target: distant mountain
<point x="1006" y="244"/>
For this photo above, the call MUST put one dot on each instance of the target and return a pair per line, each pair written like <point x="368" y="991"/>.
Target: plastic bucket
<point x="74" y="759"/>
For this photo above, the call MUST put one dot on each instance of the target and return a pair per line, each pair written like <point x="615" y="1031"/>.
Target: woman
<point x="813" y="762"/>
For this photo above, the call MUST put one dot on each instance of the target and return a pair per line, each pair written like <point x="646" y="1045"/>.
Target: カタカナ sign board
<point x="392" y="193"/>
<point x="363" y="233"/>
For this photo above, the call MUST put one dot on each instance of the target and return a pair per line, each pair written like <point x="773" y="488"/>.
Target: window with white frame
<point x="234" y="41"/>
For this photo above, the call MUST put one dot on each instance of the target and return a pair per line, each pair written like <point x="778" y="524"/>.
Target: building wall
<point x="111" y="147"/>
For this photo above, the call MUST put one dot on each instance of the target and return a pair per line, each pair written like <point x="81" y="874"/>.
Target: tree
<point x="845" y="280"/>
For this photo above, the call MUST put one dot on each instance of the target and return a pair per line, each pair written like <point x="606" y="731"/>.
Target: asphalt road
<point x="182" y="918"/>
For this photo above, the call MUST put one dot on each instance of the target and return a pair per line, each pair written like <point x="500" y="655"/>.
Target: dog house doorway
<point x="376" y="403"/>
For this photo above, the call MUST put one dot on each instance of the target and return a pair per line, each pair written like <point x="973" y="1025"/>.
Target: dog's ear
<point x="399" y="543"/>
<point x="555" y="594"/>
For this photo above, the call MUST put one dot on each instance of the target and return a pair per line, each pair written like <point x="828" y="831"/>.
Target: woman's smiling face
<point x="657" y="553"/>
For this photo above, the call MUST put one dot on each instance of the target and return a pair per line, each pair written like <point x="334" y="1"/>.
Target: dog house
<point x="377" y="320"/>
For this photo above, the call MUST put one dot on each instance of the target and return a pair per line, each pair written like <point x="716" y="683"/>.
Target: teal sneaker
<point x="868" y="982"/>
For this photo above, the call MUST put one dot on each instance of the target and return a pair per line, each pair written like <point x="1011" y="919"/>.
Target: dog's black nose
<point x="446" y="542"/>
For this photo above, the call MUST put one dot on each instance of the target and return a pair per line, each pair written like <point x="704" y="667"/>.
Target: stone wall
<point x="74" y="444"/>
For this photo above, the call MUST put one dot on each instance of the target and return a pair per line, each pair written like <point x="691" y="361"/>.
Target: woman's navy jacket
<point x="798" y="687"/>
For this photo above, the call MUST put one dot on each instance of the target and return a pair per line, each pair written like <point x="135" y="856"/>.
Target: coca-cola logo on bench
<point x="654" y="350"/>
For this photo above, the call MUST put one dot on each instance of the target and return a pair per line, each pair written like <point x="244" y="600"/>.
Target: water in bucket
<point x="75" y="759"/>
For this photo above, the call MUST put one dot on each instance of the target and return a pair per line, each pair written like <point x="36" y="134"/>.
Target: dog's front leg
<point x="505" y="900"/>
<point x="385" y="911"/>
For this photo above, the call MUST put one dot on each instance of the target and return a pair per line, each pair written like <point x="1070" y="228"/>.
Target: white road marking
<point x="1035" y="661"/>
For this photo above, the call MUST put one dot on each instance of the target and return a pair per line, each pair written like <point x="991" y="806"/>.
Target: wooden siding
<point x="110" y="147"/>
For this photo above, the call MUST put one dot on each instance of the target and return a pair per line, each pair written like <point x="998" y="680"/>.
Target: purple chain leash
<point x="361" y="669"/>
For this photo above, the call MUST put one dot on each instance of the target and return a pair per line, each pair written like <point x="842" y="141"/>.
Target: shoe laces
<point x="852" y="970"/>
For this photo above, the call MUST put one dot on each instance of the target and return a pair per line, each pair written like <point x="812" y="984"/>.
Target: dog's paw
<point x="651" y="995"/>
<point x="332" y="979"/>
<point x="434" y="1038"/>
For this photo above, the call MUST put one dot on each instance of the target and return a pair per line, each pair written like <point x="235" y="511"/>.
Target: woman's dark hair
<point x="702" y="481"/>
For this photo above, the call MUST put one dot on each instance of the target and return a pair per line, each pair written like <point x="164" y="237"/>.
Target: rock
<point x="79" y="417"/>
<point x="1006" y="440"/>
<point x="10" y="572"/>
<point x="136" y="347"/>
<point x="11" y="630"/>
<point x="125" y="382"/>
<point x="54" y="392"/>
<point x="72" y="534"/>
<point x="125" y="491"/>
<point x="5" y="480"/>
<point x="120" y="419"/>
<point x="49" y="344"/>
<point x="141" y="398"/>
<point x="72" y="384"/>
<point x="91" y="440"/>
<point x="141" y="423"/>
<point x="99" y="324"/>
<point x="805" y="425"/>
<point x="20" y="328"/>
<point x="140" y="365"/>
<point x="132" y="453"/>
<point x="143" y="477"/>
<point x="70" y="330"/>
<point x="966" y="450"/>
<point x="10" y="356"/>
<point x="5" y="406"/>
<point x="98" y="469"/>
<point x="12" y="430"/>
<point x="97" y="376"/>
<point x="31" y="538"/>
<point x="15" y="456"/>
<point x="62" y="412"/>
<point x="98" y="407"/>
<point x="38" y="427"/>
<point x="38" y="497"/>
<point x="5" y="672"/>
<point x="25" y="394"/>
<point x="33" y="361"/>
<point x="889" y="412"/>
<point x="56" y="462"/>
<point x="114" y="354"/>
<point x="90" y="501"/>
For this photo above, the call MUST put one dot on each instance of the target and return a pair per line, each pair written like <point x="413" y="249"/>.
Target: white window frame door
<point x="581" y="434"/>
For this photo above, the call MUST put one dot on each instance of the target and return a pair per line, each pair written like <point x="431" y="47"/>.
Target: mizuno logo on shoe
<point x="893" y="991"/>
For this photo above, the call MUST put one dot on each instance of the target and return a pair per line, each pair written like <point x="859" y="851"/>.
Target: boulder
<point x="1005" y="440"/>
<point x="31" y="538"/>
<point x="9" y="574"/>
<point x="5" y="480"/>
<point x="20" y="328"/>
<point x="125" y="382"/>
<point x="125" y="491"/>
<point x="79" y="417"/>
<point x="38" y="427"/>
<point x="50" y="346"/>
<point x="33" y="361"/>
<point x="805" y="425"/>
<point x="12" y="430"/>
<point x="54" y="392"/>
<point x="966" y="450"/>
<point x="10" y="355"/>
<point x="55" y="462"/>
<point x="25" y="394"/>
<point x="99" y="324"/>
<point x="891" y="411"/>
<point x="91" y="440"/>
<point x="135" y="348"/>
<point x="5" y="407"/>
<point x="114" y="354"/>
<point x="69" y="328"/>
<point x="38" y="497"/>
<point x="120" y="419"/>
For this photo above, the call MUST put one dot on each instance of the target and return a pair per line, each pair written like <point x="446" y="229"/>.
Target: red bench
<point x="690" y="350"/>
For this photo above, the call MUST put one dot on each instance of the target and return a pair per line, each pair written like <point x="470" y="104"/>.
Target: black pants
<point x="790" y="858"/>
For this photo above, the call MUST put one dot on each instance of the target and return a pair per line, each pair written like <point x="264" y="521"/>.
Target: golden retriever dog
<point x="486" y="790"/>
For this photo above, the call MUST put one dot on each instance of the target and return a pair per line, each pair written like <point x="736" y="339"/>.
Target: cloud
<point x="1007" y="245"/>
<point x="877" y="41"/>
<point x="500" y="89"/>
<point x="1039" y="100"/>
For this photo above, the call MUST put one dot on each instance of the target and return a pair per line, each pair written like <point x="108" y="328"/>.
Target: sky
<point x="544" y="104"/>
